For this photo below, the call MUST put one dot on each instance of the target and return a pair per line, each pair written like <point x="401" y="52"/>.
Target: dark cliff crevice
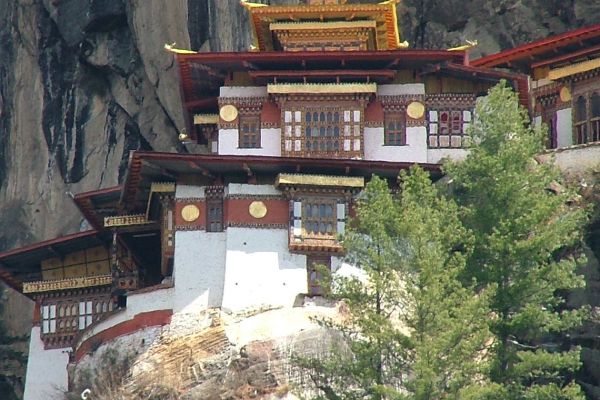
<point x="7" y="57"/>
<point x="198" y="23"/>
<point x="134" y="140"/>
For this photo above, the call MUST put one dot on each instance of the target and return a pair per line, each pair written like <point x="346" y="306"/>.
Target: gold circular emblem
<point x="565" y="94"/>
<point x="228" y="113"/>
<point x="257" y="209"/>
<point x="415" y="110"/>
<point x="190" y="213"/>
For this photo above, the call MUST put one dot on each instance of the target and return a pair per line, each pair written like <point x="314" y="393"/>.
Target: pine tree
<point x="524" y="237"/>
<point x="412" y="330"/>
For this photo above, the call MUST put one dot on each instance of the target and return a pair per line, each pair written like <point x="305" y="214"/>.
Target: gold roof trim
<point x="569" y="70"/>
<point x="63" y="284"/>
<point x="162" y="187"/>
<point x="320" y="180"/>
<point x="200" y="119"/>
<point x="290" y="88"/>
<point x="126" y="220"/>
<point x="290" y="26"/>
<point x="171" y="48"/>
<point x="384" y="13"/>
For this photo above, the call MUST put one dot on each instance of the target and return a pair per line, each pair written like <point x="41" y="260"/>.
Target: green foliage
<point x="412" y="331"/>
<point x="523" y="234"/>
<point x="459" y="297"/>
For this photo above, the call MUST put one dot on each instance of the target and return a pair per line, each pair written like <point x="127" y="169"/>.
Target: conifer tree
<point x="524" y="236"/>
<point x="412" y="331"/>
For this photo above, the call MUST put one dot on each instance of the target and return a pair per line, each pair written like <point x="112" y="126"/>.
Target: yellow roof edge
<point x="290" y="88"/>
<point x="573" y="69"/>
<point x="320" y="180"/>
<point x="170" y="48"/>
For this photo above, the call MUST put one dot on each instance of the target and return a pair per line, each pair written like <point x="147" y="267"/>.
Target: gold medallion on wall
<point x="190" y="213"/>
<point x="565" y="94"/>
<point x="228" y="113"/>
<point x="415" y="110"/>
<point x="257" y="209"/>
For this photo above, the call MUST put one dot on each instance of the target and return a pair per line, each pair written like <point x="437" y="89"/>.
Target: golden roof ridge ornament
<point x="470" y="44"/>
<point x="171" y="48"/>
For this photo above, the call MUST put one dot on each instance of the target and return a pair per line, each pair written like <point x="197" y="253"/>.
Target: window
<point x="214" y="209"/>
<point x="322" y="131"/>
<point x="317" y="221"/>
<point x="447" y="128"/>
<point x="395" y="129"/>
<point x="587" y="119"/>
<point x="249" y="130"/>
<point x="85" y="314"/>
<point x="314" y="270"/>
<point x="49" y="318"/>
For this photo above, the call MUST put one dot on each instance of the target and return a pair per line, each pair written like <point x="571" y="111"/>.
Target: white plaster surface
<point x="415" y="149"/>
<point x="270" y="143"/>
<point x="243" y="91"/>
<point x="126" y="345"/>
<point x="198" y="272"/>
<point x="260" y="271"/>
<point x="407" y="88"/>
<point x="46" y="376"/>
<point x="577" y="161"/>
<point x="161" y="299"/>
<point x="564" y="127"/>
<point x="189" y="192"/>
<point x="435" y="156"/>
<point x="537" y="121"/>
<point x="243" y="188"/>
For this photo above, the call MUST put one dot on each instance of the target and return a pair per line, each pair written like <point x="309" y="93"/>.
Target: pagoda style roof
<point x="97" y="204"/>
<point x="572" y="46"/>
<point x="148" y="167"/>
<point x="202" y="74"/>
<point x="519" y="81"/>
<point x="267" y="20"/>
<point x="23" y="264"/>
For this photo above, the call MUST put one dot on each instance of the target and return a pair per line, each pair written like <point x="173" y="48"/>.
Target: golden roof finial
<point x="470" y="44"/>
<point x="249" y="5"/>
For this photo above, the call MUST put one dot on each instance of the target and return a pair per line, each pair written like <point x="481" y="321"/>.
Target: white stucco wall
<point x="46" y="376"/>
<point x="199" y="271"/>
<point x="564" y="127"/>
<point x="243" y="91"/>
<point x="161" y="299"/>
<point x="396" y="89"/>
<point x="415" y="149"/>
<point x="246" y="189"/>
<point x="189" y="192"/>
<point x="270" y="143"/>
<point x="260" y="271"/>
<point x="434" y="156"/>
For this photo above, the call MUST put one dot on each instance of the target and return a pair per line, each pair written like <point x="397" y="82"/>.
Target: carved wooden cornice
<point x="63" y="284"/>
<point x="126" y="220"/>
<point x="450" y="100"/>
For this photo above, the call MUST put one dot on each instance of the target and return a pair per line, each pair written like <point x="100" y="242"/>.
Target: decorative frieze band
<point x="72" y="283"/>
<point x="450" y="100"/>
<point x="126" y="220"/>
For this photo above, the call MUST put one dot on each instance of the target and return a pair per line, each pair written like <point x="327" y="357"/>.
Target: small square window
<point x="395" y="129"/>
<point x="249" y="131"/>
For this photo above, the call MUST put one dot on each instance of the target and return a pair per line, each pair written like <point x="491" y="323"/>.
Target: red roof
<point x="542" y="49"/>
<point x="146" y="167"/>
<point x="203" y="73"/>
<point x="89" y="202"/>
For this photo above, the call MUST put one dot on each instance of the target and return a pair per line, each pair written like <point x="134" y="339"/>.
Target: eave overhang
<point x="18" y="265"/>
<point x="146" y="167"/>
<point x="523" y="57"/>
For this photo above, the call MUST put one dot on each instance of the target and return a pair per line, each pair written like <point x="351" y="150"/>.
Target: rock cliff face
<point x="84" y="82"/>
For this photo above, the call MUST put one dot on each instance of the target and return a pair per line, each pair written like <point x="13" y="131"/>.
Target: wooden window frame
<point x="301" y="237"/>
<point x="341" y="137"/>
<point x="249" y="138"/>
<point x="453" y="129"/>
<point x="67" y="320"/>
<point x="394" y="135"/>
<point x="214" y="209"/>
